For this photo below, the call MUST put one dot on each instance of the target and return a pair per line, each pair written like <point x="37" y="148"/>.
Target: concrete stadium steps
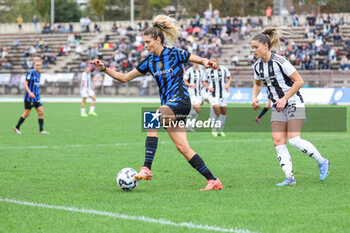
<point x="296" y="34"/>
<point x="26" y="40"/>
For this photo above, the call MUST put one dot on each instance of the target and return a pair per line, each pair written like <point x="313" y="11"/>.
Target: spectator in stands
<point x="46" y="29"/>
<point x="78" y="38"/>
<point x="293" y="16"/>
<point x="114" y="27"/>
<point x="45" y="60"/>
<point x="344" y="63"/>
<point x="99" y="54"/>
<point x="66" y="50"/>
<point x="234" y="60"/>
<point x="217" y="16"/>
<point x="15" y="44"/>
<point x="341" y="19"/>
<point x="310" y="19"/>
<point x="7" y="64"/>
<point x="207" y="16"/>
<point x="4" y="52"/>
<point x="82" y="24"/>
<point x="78" y="50"/>
<point x="83" y="65"/>
<point x="19" y="22"/>
<point x="337" y="37"/>
<point x="198" y="20"/>
<point x="35" y="22"/>
<point x="61" y="28"/>
<point x="87" y="24"/>
<point x="69" y="69"/>
<point x="268" y="12"/>
<point x="284" y="14"/>
<point x="70" y="27"/>
<point x="97" y="29"/>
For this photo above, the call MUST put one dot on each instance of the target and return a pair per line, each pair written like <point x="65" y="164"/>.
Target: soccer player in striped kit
<point x="193" y="81"/>
<point x="86" y="91"/>
<point x="165" y="65"/>
<point x="214" y="81"/>
<point x="32" y="97"/>
<point x="288" y="110"/>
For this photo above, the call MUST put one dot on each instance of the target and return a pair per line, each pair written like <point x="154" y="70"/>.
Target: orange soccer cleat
<point x="213" y="185"/>
<point x="144" y="174"/>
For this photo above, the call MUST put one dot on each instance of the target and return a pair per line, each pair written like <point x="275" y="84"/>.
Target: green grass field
<point x="76" y="165"/>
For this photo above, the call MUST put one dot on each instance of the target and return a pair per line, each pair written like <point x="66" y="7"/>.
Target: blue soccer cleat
<point x="287" y="182"/>
<point x="324" y="169"/>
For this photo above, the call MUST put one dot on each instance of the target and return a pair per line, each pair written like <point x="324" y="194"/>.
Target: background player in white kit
<point x="214" y="81"/>
<point x="193" y="80"/>
<point x="86" y="91"/>
<point x="283" y="83"/>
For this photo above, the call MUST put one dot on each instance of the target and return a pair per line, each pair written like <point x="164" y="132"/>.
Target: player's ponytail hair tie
<point x="270" y="36"/>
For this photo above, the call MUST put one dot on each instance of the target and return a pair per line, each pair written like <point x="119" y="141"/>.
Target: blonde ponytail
<point x="164" y="27"/>
<point x="274" y="36"/>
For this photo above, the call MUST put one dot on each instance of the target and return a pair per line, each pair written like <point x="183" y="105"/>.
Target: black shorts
<point x="29" y="105"/>
<point x="181" y="106"/>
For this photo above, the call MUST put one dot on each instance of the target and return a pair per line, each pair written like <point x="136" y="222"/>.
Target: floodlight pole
<point x="132" y="13"/>
<point x="52" y="12"/>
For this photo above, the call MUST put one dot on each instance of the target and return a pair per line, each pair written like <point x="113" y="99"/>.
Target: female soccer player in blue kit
<point x="165" y="64"/>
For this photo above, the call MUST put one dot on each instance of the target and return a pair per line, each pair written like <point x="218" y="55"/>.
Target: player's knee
<point x="295" y="141"/>
<point x="278" y="142"/>
<point x="26" y="114"/>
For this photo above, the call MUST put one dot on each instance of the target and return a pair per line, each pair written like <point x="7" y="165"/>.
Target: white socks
<point x="214" y="117"/>
<point x="285" y="160"/>
<point x="92" y="108"/>
<point x="307" y="148"/>
<point x="222" y="118"/>
<point x="82" y="110"/>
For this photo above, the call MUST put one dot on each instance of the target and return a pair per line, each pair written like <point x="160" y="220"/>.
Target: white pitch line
<point x="166" y="142"/>
<point x="128" y="217"/>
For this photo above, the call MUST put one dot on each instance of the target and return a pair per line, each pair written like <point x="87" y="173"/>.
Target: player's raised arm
<point x="202" y="61"/>
<point x="116" y="75"/>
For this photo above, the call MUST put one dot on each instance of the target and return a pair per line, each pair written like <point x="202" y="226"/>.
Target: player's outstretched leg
<point x="179" y="137"/>
<point x="150" y="151"/>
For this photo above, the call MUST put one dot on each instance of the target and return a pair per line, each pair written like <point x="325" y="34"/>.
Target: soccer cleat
<point x="91" y="113"/>
<point x="213" y="185"/>
<point x="258" y="120"/>
<point x="83" y="114"/>
<point x="287" y="182"/>
<point x="222" y="134"/>
<point x="44" y="132"/>
<point x="144" y="174"/>
<point x="215" y="134"/>
<point x="17" y="131"/>
<point x="324" y="169"/>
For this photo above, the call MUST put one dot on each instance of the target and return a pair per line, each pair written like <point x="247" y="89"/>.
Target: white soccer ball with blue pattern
<point x="126" y="180"/>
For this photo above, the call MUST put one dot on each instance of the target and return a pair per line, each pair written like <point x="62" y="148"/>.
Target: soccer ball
<point x="125" y="179"/>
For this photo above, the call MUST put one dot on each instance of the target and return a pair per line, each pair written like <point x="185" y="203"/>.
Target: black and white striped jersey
<point x="275" y="76"/>
<point x="193" y="76"/>
<point x="87" y="78"/>
<point x="216" y="79"/>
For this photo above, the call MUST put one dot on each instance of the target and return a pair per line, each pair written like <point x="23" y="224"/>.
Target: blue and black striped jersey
<point x="168" y="72"/>
<point x="33" y="79"/>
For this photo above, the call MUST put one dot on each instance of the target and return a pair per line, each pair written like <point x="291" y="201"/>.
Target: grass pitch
<point x="76" y="166"/>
